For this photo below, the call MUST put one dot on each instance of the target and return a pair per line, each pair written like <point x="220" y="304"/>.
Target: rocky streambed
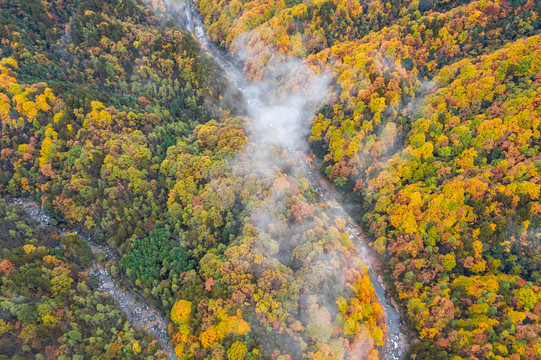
<point x="138" y="311"/>
<point x="396" y="345"/>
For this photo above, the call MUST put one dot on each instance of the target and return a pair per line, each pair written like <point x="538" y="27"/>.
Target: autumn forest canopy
<point x="117" y="122"/>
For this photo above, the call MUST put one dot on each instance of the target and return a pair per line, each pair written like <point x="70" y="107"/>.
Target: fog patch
<point x="281" y="104"/>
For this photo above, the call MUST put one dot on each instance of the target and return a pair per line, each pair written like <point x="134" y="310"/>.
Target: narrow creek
<point x="396" y="344"/>
<point x="139" y="312"/>
<point x="146" y="317"/>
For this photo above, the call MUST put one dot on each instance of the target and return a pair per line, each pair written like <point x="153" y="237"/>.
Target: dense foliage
<point x="116" y="122"/>
<point x="49" y="306"/>
<point x="281" y="266"/>
<point x="434" y="133"/>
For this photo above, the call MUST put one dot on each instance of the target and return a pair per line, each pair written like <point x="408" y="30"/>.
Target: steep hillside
<point x="116" y="122"/>
<point x="432" y="135"/>
<point x="51" y="307"/>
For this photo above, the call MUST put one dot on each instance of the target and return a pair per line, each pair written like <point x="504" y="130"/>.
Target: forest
<point x="118" y="123"/>
<point x="432" y="136"/>
<point x="50" y="307"/>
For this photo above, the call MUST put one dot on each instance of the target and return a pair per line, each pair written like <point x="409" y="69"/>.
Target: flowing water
<point x="139" y="312"/>
<point x="395" y="345"/>
<point x="144" y="316"/>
